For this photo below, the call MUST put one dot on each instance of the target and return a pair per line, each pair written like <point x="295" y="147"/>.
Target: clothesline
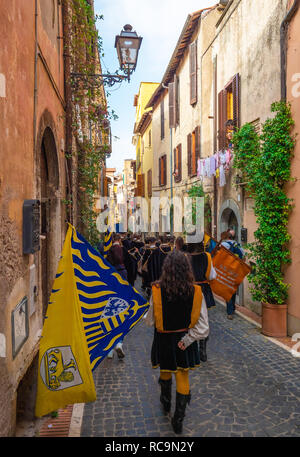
<point x="215" y="165"/>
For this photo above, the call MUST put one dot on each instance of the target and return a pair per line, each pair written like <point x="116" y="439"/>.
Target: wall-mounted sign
<point x="19" y="326"/>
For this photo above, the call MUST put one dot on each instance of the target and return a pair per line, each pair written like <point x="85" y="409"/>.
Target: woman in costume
<point x="180" y="244"/>
<point x="178" y="312"/>
<point x="204" y="272"/>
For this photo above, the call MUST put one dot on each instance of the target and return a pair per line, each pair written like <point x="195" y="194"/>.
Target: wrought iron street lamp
<point x="127" y="44"/>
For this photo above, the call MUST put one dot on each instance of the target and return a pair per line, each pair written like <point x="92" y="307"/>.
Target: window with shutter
<point x="189" y="153"/>
<point x="159" y="171"/>
<point x="171" y="106"/>
<point x="236" y="100"/>
<point x="177" y="164"/>
<point x="177" y="100"/>
<point x="193" y="73"/>
<point x="143" y="185"/>
<point x="165" y="169"/>
<point x="149" y="183"/>
<point x="229" y="109"/>
<point x="162" y="120"/>
<point x="139" y="186"/>
<point x="197" y="147"/>
<point x="193" y="170"/>
<point x="222" y="116"/>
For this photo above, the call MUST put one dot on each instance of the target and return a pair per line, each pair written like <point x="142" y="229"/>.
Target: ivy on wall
<point x="265" y="162"/>
<point x="90" y="114"/>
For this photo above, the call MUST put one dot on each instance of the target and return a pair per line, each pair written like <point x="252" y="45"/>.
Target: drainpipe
<point x="35" y="76"/>
<point x="68" y="106"/>
<point x="283" y="46"/>
<point x="171" y="181"/>
<point x="171" y="172"/>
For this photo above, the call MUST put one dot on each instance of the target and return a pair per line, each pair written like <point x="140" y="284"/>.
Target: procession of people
<point x="176" y="275"/>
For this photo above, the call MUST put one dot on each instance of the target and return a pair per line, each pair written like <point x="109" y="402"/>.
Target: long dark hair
<point x="177" y="277"/>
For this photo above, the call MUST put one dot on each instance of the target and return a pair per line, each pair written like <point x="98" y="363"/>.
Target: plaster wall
<point x="19" y="172"/>
<point x="293" y="96"/>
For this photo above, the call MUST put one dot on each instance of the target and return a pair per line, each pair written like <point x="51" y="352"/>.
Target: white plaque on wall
<point x="32" y="289"/>
<point x="19" y="325"/>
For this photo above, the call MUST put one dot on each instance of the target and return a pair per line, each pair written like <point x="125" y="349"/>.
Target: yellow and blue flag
<point x="209" y="243"/>
<point x="91" y="309"/>
<point x="107" y="242"/>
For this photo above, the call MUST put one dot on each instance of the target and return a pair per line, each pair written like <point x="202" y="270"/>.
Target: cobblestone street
<point x="248" y="387"/>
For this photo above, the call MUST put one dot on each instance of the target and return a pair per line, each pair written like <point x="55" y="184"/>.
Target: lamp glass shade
<point x="128" y="44"/>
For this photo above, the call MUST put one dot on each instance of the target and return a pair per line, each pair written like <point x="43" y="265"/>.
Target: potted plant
<point x="265" y="161"/>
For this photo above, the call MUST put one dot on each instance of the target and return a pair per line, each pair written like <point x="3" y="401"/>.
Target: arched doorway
<point x="229" y="217"/>
<point x="229" y="220"/>
<point x="47" y="191"/>
<point x="50" y="217"/>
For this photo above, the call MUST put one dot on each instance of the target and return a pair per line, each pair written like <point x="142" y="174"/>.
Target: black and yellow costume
<point x="172" y="321"/>
<point x="201" y="264"/>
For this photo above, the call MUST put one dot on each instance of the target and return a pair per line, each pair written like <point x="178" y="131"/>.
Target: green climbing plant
<point x="90" y="113"/>
<point x="265" y="162"/>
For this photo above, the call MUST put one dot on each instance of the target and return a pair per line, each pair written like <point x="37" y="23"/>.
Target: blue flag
<point x="107" y="242"/>
<point x="110" y="306"/>
<point x="209" y="243"/>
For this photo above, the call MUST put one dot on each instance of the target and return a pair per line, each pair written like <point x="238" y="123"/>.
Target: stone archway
<point x="230" y="217"/>
<point x="48" y="192"/>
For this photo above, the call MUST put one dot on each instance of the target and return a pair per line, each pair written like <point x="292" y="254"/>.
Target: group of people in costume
<point x="176" y="278"/>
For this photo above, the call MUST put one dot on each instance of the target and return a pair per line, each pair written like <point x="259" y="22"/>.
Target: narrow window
<point x="162" y="120"/>
<point x="193" y="73"/>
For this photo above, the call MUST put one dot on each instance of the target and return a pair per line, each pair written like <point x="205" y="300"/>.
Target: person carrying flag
<point x="131" y="258"/>
<point x="91" y="308"/>
<point x="107" y="242"/>
<point x="179" y="314"/>
<point x="115" y="257"/>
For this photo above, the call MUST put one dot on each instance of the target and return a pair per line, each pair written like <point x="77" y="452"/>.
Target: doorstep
<point x="57" y="426"/>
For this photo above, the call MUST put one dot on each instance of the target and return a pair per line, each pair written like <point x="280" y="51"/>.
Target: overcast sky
<point x="160" y="23"/>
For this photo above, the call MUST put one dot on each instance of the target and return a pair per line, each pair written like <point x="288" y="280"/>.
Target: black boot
<point x="177" y="420"/>
<point x="166" y="392"/>
<point x="202" y="350"/>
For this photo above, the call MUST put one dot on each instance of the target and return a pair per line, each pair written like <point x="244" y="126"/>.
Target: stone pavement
<point x="248" y="387"/>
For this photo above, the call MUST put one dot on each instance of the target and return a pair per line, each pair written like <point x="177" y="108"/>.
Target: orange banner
<point x="231" y="271"/>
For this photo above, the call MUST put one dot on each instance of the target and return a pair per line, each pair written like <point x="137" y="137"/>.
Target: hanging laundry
<point x="199" y="168"/>
<point x="222" y="157"/>
<point x="228" y="156"/>
<point x="207" y="167"/>
<point x="212" y="166"/>
<point x="222" y="176"/>
<point x="217" y="159"/>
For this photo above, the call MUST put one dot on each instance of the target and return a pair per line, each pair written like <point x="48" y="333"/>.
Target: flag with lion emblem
<point x="91" y="309"/>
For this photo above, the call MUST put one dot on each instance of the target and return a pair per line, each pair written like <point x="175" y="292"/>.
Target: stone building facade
<point x="226" y="67"/>
<point x="32" y="109"/>
<point x="290" y="86"/>
<point x="36" y="181"/>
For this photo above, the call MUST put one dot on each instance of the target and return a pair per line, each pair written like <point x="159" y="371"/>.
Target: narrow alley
<point x="249" y="387"/>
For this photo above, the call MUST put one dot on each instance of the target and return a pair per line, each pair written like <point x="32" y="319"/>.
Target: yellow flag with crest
<point x="64" y="371"/>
